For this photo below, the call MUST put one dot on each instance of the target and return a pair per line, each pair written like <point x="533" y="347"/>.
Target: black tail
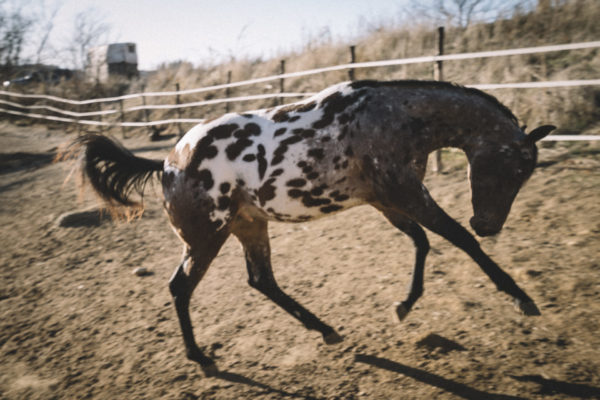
<point x="112" y="170"/>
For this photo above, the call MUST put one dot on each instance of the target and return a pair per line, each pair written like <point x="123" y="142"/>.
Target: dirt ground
<point x="76" y="322"/>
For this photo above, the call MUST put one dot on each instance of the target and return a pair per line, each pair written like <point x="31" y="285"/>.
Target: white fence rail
<point x="369" y="64"/>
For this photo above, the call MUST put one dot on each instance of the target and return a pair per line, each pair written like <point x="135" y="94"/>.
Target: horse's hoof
<point x="332" y="338"/>
<point x="528" y="308"/>
<point x="210" y="370"/>
<point x="401" y="311"/>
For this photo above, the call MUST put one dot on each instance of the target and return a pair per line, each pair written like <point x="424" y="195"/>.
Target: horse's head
<point x="496" y="174"/>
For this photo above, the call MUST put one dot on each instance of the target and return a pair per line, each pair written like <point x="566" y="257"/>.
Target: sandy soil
<point x="76" y="322"/>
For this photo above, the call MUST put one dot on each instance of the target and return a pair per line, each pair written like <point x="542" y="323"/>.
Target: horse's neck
<point x="470" y="135"/>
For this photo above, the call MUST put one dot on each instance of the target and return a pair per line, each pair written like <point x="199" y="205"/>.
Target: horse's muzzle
<point x="484" y="228"/>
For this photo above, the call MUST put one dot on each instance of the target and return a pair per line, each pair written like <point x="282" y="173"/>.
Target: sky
<point x="205" y="31"/>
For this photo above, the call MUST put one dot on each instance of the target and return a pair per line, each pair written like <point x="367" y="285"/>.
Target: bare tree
<point x="14" y="26"/>
<point x="46" y="26"/>
<point x="89" y="30"/>
<point x="462" y="12"/>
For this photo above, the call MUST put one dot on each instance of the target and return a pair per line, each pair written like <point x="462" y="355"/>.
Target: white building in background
<point x="115" y="59"/>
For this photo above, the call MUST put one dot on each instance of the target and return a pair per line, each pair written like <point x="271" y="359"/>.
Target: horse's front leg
<point x="255" y="240"/>
<point x="419" y="238"/>
<point x="411" y="198"/>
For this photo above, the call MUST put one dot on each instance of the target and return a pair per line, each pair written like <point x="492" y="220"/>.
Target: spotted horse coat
<point x="362" y="142"/>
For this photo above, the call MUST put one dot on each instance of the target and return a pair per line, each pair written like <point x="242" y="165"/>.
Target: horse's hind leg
<point x="183" y="282"/>
<point x="419" y="238"/>
<point x="255" y="240"/>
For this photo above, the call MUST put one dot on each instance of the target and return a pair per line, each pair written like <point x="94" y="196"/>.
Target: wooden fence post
<point x="439" y="76"/>
<point x="352" y="61"/>
<point x="122" y="118"/>
<point x="178" y="101"/>
<point x="281" y="81"/>
<point x="153" y="130"/>
<point x="227" y="91"/>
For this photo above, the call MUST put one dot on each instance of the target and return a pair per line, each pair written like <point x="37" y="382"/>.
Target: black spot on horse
<point x="331" y="208"/>
<point x="308" y="169"/>
<point x="337" y="196"/>
<point x="222" y="131"/>
<point x="298" y="182"/>
<point x="332" y="105"/>
<point x="291" y="140"/>
<point x="348" y="152"/>
<point x="313" y="175"/>
<point x="204" y="150"/>
<point x="302" y="164"/>
<point x="281" y="116"/>
<point x="295" y="193"/>
<point x="205" y="177"/>
<point x="294" y="118"/>
<point x="310" y="201"/>
<point x="316" y="191"/>
<point x="316" y="153"/>
<point x="277" y="172"/>
<point x="223" y="203"/>
<point x="266" y="191"/>
<point x="249" y="157"/>
<point x="279" y="132"/>
<point x="234" y="149"/>
<point x="252" y="128"/>
<point x="224" y="187"/>
<point x="282" y="148"/>
<point x="240" y="182"/>
<point x="305" y="133"/>
<point x="262" y="161"/>
<point x="306" y="107"/>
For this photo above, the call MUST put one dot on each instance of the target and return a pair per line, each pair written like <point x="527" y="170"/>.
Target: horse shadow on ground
<point x="553" y="387"/>
<point x="12" y="162"/>
<point x="456" y="388"/>
<point x="548" y="386"/>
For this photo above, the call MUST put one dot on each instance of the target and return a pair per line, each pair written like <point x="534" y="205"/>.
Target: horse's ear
<point x="539" y="133"/>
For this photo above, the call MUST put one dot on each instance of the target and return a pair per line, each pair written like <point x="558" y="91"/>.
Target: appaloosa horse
<point x="362" y="142"/>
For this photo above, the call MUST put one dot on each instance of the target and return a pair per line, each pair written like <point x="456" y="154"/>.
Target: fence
<point x="120" y="111"/>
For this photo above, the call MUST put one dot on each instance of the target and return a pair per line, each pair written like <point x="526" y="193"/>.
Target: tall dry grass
<point x="552" y="22"/>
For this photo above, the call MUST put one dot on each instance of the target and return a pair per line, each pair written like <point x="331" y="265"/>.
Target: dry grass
<point x="573" y="110"/>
